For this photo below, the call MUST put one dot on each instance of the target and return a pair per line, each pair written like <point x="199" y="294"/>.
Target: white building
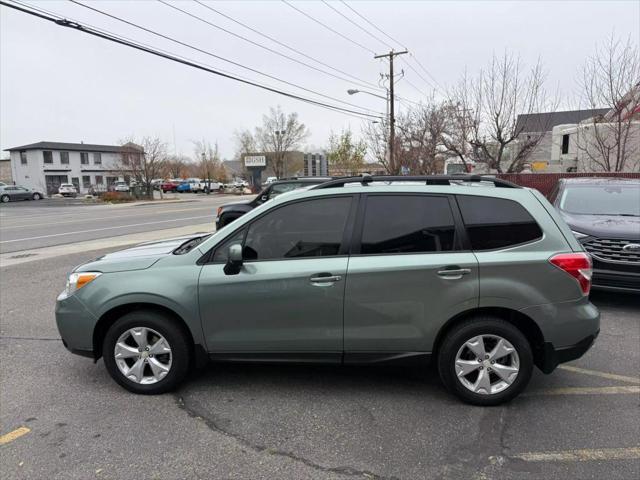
<point x="45" y="165"/>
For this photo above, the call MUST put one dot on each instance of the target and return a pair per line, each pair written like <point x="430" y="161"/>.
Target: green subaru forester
<point x="474" y="273"/>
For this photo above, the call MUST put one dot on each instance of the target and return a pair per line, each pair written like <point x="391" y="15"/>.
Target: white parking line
<point x="105" y="228"/>
<point x="584" y="455"/>
<point x="619" y="390"/>
<point x="595" y="373"/>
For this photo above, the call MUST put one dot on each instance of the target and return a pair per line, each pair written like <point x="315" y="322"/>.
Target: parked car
<point x="12" y="193"/>
<point x="486" y="282"/>
<point x="183" y="187"/>
<point x="604" y="215"/>
<point x="228" y="212"/>
<point x="68" y="190"/>
<point x="169" y="186"/>
<point x="121" y="187"/>
<point x="212" y="186"/>
<point x="271" y="180"/>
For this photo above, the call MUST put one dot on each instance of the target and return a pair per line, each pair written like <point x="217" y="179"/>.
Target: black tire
<point x="484" y="325"/>
<point x="37" y="196"/>
<point x="167" y="327"/>
<point x="5" y="199"/>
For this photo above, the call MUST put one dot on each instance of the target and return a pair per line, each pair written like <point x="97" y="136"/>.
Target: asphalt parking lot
<point x="63" y="417"/>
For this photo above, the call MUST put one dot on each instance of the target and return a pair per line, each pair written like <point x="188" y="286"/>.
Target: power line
<point x="373" y="25"/>
<point x="399" y="43"/>
<point x="329" y="28"/>
<point x="282" y="44"/>
<point x="356" y="24"/>
<point x="117" y="39"/>
<point x="214" y="55"/>
<point x="257" y="44"/>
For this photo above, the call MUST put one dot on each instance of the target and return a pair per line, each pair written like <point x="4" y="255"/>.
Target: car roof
<point x="302" y="179"/>
<point x="599" y="180"/>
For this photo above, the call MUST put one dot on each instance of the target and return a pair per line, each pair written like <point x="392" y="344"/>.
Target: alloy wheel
<point x="143" y="355"/>
<point x="487" y="364"/>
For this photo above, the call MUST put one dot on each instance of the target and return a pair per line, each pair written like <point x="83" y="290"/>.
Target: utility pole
<point x="392" y="118"/>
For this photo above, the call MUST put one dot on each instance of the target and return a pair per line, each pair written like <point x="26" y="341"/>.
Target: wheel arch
<point x="522" y="322"/>
<point x="198" y="354"/>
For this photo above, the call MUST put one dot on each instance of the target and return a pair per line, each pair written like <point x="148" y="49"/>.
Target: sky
<point x="58" y="84"/>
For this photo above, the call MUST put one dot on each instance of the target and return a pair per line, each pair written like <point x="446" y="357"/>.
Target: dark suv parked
<point x="229" y="212"/>
<point x="604" y="215"/>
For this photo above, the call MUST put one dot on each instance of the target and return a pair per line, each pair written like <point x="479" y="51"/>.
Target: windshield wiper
<point x="190" y="244"/>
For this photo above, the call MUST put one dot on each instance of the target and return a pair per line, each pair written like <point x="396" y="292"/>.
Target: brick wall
<point x="546" y="181"/>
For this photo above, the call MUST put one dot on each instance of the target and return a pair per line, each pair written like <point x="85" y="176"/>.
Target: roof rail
<point x="366" y="179"/>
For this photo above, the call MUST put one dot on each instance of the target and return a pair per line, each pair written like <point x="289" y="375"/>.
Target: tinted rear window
<point x="496" y="223"/>
<point x="407" y="224"/>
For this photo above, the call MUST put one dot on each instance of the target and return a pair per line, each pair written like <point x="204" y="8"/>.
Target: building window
<point x="97" y="159"/>
<point x="48" y="157"/>
<point x="23" y="158"/>
<point x="64" y="158"/>
<point x="86" y="181"/>
<point x="98" y="179"/>
<point x="565" y="144"/>
<point x="84" y="158"/>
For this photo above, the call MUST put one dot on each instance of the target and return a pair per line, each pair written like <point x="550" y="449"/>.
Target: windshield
<point x="602" y="200"/>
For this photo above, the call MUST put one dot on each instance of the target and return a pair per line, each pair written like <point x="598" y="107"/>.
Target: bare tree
<point x="376" y="138"/>
<point x="175" y="166"/>
<point x="461" y="122"/>
<point x="345" y="154"/>
<point x="208" y="162"/>
<point x="421" y="138"/>
<point x="611" y="79"/>
<point x="143" y="160"/>
<point x="280" y="133"/>
<point x="491" y="103"/>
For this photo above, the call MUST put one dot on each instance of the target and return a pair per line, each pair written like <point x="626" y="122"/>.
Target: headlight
<point x="579" y="235"/>
<point x="78" y="280"/>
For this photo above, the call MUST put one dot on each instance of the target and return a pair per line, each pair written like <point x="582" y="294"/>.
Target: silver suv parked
<point x="476" y="274"/>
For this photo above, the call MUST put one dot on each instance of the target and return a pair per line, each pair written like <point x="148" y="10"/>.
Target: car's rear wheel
<point x="485" y="361"/>
<point x="37" y="196"/>
<point x="4" y="199"/>
<point x="146" y="352"/>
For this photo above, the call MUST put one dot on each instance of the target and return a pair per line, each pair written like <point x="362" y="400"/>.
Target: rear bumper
<point x="551" y="357"/>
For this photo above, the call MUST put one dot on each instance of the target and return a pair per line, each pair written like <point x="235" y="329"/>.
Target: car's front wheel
<point x="485" y="361"/>
<point x="146" y="352"/>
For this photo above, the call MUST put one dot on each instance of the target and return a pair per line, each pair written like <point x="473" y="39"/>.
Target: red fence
<point x="546" y="181"/>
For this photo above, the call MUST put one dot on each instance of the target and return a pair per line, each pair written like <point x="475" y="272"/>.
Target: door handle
<point x="325" y="278"/>
<point x="453" y="273"/>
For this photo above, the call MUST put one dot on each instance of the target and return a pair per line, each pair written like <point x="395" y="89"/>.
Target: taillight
<point x="578" y="265"/>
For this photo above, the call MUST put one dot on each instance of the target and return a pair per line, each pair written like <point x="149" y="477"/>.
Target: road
<point x="30" y="225"/>
<point x="303" y="422"/>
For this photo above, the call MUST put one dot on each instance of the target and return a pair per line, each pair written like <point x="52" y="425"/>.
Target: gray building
<point x="541" y="125"/>
<point x="316" y="165"/>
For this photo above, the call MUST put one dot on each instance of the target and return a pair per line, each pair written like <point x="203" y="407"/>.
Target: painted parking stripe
<point x="584" y="455"/>
<point x="620" y="390"/>
<point x="107" y="228"/>
<point x="11" y="436"/>
<point x="594" y="373"/>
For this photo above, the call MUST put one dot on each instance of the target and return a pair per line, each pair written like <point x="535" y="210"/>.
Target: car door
<point x="408" y="274"/>
<point x="288" y="298"/>
<point x="22" y="193"/>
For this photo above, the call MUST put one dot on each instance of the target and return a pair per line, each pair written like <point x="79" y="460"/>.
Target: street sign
<point x="255" y="161"/>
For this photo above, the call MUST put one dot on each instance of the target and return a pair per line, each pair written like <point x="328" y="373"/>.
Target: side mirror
<point x="234" y="261"/>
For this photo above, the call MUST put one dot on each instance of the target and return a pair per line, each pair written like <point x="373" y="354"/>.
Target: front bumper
<point x="76" y="325"/>
<point x="551" y="357"/>
<point x="615" y="280"/>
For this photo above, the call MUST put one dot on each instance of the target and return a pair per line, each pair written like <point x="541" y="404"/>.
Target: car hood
<point x="604" y="226"/>
<point x="137" y="257"/>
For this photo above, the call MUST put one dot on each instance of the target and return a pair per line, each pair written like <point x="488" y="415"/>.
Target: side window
<point x="312" y="228"/>
<point x="282" y="188"/>
<point x="496" y="223"/>
<point x="221" y="253"/>
<point x="408" y="224"/>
